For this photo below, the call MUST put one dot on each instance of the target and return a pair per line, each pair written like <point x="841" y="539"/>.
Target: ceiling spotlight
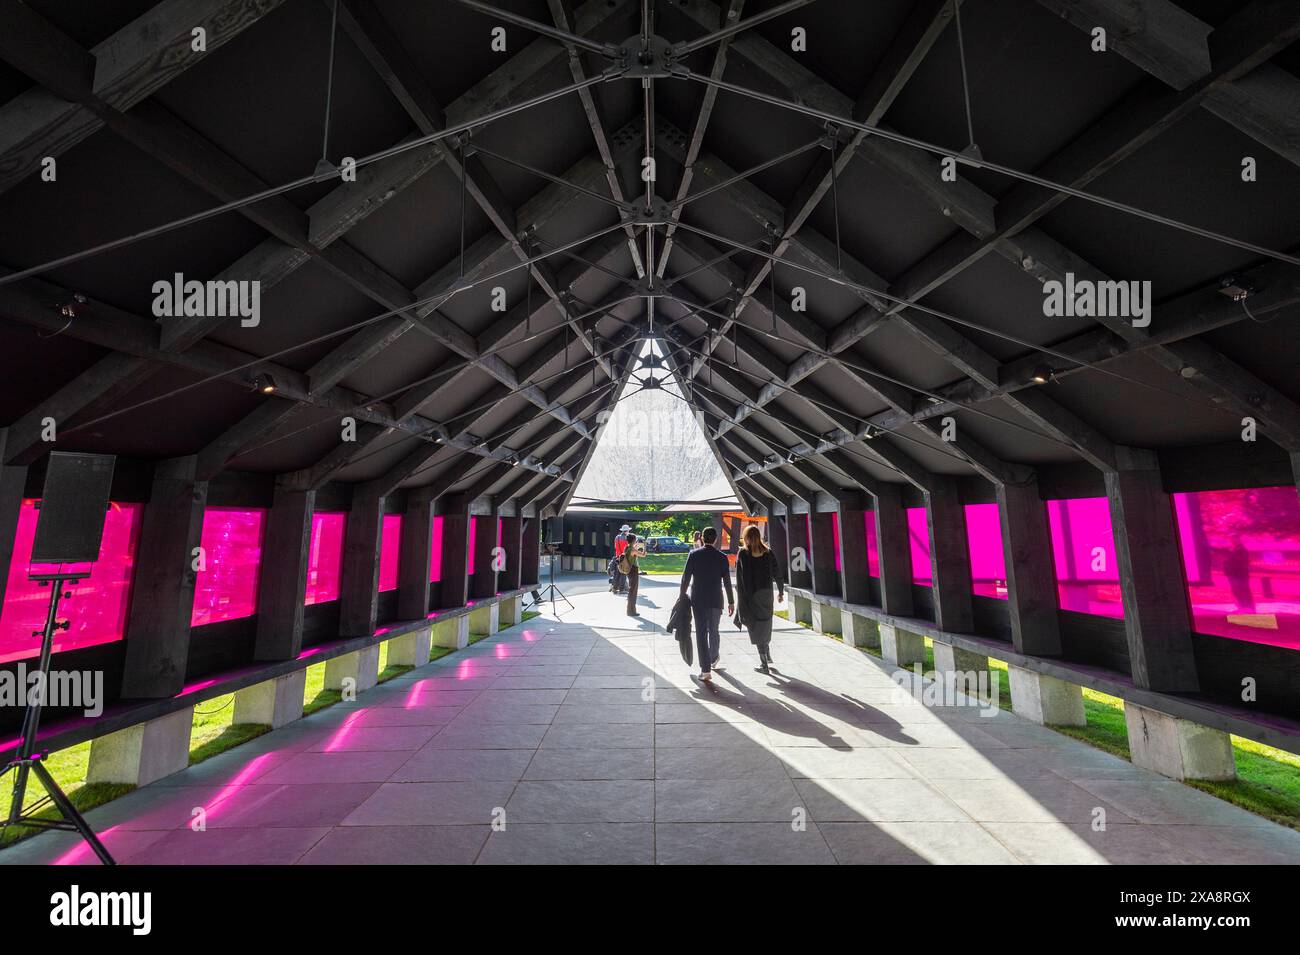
<point x="1042" y="374"/>
<point x="74" y="307"/>
<point x="264" y="384"/>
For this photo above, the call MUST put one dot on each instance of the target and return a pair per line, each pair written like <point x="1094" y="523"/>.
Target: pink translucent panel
<point x="96" y="613"/>
<point x="835" y="538"/>
<point x="390" y="551"/>
<point x="918" y="538"/>
<point x="469" y="551"/>
<point x="435" y="551"/>
<point x="325" y="557"/>
<point x="226" y="588"/>
<point x="988" y="568"/>
<point x="1241" y="558"/>
<point x="1083" y="550"/>
<point x="873" y="546"/>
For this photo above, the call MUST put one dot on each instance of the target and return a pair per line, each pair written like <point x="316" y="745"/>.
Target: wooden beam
<point x="414" y="567"/>
<point x="359" y="586"/>
<point x="282" y="586"/>
<point x="1031" y="584"/>
<point x="949" y="557"/>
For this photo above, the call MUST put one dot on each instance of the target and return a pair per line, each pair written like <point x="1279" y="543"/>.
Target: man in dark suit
<point x="707" y="573"/>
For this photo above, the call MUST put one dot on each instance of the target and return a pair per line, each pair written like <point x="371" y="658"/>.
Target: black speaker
<point x="73" y="504"/>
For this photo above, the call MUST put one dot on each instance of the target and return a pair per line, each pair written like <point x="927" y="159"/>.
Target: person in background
<point x="707" y="574"/>
<point x="633" y="571"/>
<point x="620" y="545"/>
<point x="756" y="571"/>
<point x="696" y="541"/>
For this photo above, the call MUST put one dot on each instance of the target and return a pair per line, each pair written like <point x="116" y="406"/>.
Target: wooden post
<point x="414" y="565"/>
<point x="800" y="565"/>
<point x="282" y="580"/>
<point x="821" y="543"/>
<point x="162" y="588"/>
<point x="484" y="582"/>
<point x="1031" y="583"/>
<point x="511" y="576"/>
<point x="455" y="546"/>
<point x="359" y="588"/>
<point x="1151" y="575"/>
<point x="855" y="585"/>
<point x="778" y="538"/>
<point x="949" y="557"/>
<point x="893" y="552"/>
<point x="530" y="551"/>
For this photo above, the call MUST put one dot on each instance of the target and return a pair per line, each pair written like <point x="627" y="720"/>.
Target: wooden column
<point x="414" y="564"/>
<point x="893" y="552"/>
<point x="1151" y="575"/>
<point x="512" y="576"/>
<point x="1031" y="583"/>
<point x="855" y="585"/>
<point x="949" y="557"/>
<point x="162" y="586"/>
<point x="778" y="538"/>
<point x="797" y="528"/>
<point x="455" y="547"/>
<point x="484" y="582"/>
<point x="359" y="588"/>
<point x="530" y="551"/>
<point x="826" y="579"/>
<point x="282" y="580"/>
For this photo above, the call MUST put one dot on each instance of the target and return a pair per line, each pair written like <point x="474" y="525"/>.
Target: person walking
<point x="756" y="571"/>
<point x="628" y="565"/>
<point x="706" y="575"/>
<point x="696" y="541"/>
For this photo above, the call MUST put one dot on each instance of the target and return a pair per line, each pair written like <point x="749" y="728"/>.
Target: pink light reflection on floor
<point x="340" y="735"/>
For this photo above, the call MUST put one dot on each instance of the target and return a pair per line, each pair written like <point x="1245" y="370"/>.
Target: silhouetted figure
<point x="756" y="572"/>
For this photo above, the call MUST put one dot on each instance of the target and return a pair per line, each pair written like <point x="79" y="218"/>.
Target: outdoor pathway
<point x="585" y="739"/>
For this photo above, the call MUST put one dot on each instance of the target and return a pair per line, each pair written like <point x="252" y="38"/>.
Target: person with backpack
<point x="618" y="582"/>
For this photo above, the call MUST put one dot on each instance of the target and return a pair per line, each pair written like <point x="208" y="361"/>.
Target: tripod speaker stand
<point x="550" y="591"/>
<point x="69" y="531"/>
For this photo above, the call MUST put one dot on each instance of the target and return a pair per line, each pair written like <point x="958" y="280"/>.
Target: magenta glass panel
<point x="835" y="538"/>
<point x="325" y="557"/>
<point x="390" y="551"/>
<point x="988" y="567"/>
<point x="96" y="613"/>
<point x="918" y="538"/>
<point x="469" y="551"/>
<point x="1241" y="559"/>
<point x="873" y="546"/>
<point x="226" y="588"/>
<point x="1083" y="550"/>
<point x="435" y="551"/>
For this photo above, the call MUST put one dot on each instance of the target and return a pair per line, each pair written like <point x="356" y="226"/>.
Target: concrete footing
<point x="1176" y="747"/>
<point x="361" y="666"/>
<point x="410" y="649"/>
<point x="859" y="631"/>
<point x="452" y="633"/>
<point x="141" y="754"/>
<point x="950" y="659"/>
<point x="901" y="647"/>
<point x="273" y="702"/>
<point x="800" y="609"/>
<point x="510" y="611"/>
<point x="826" y="618"/>
<point x="483" y="620"/>
<point x="1045" y="699"/>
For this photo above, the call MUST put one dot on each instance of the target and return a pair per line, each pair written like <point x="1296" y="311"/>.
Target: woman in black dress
<point x="756" y="571"/>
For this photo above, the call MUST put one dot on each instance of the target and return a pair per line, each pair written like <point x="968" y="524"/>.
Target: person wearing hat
<point x="619" y="583"/>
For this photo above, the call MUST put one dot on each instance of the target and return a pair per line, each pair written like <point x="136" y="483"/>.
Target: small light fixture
<point x="1042" y="375"/>
<point x="264" y="384"/>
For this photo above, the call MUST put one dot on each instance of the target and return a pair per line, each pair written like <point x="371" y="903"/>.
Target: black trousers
<point x="708" y="642"/>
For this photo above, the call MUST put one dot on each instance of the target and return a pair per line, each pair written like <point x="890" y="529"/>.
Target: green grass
<point x="663" y="563"/>
<point x="529" y="615"/>
<point x="1268" y="779"/>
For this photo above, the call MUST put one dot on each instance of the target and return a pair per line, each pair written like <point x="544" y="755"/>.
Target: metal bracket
<point x="659" y="62"/>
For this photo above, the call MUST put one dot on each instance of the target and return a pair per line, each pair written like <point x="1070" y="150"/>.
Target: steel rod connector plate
<point x="657" y="213"/>
<point x="657" y="62"/>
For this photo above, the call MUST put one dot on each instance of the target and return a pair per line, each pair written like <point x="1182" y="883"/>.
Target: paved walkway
<point x="549" y="731"/>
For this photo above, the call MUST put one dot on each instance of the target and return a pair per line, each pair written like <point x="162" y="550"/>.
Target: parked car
<point x="667" y="545"/>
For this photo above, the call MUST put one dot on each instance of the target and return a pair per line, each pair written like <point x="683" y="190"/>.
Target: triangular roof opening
<point x="652" y="448"/>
